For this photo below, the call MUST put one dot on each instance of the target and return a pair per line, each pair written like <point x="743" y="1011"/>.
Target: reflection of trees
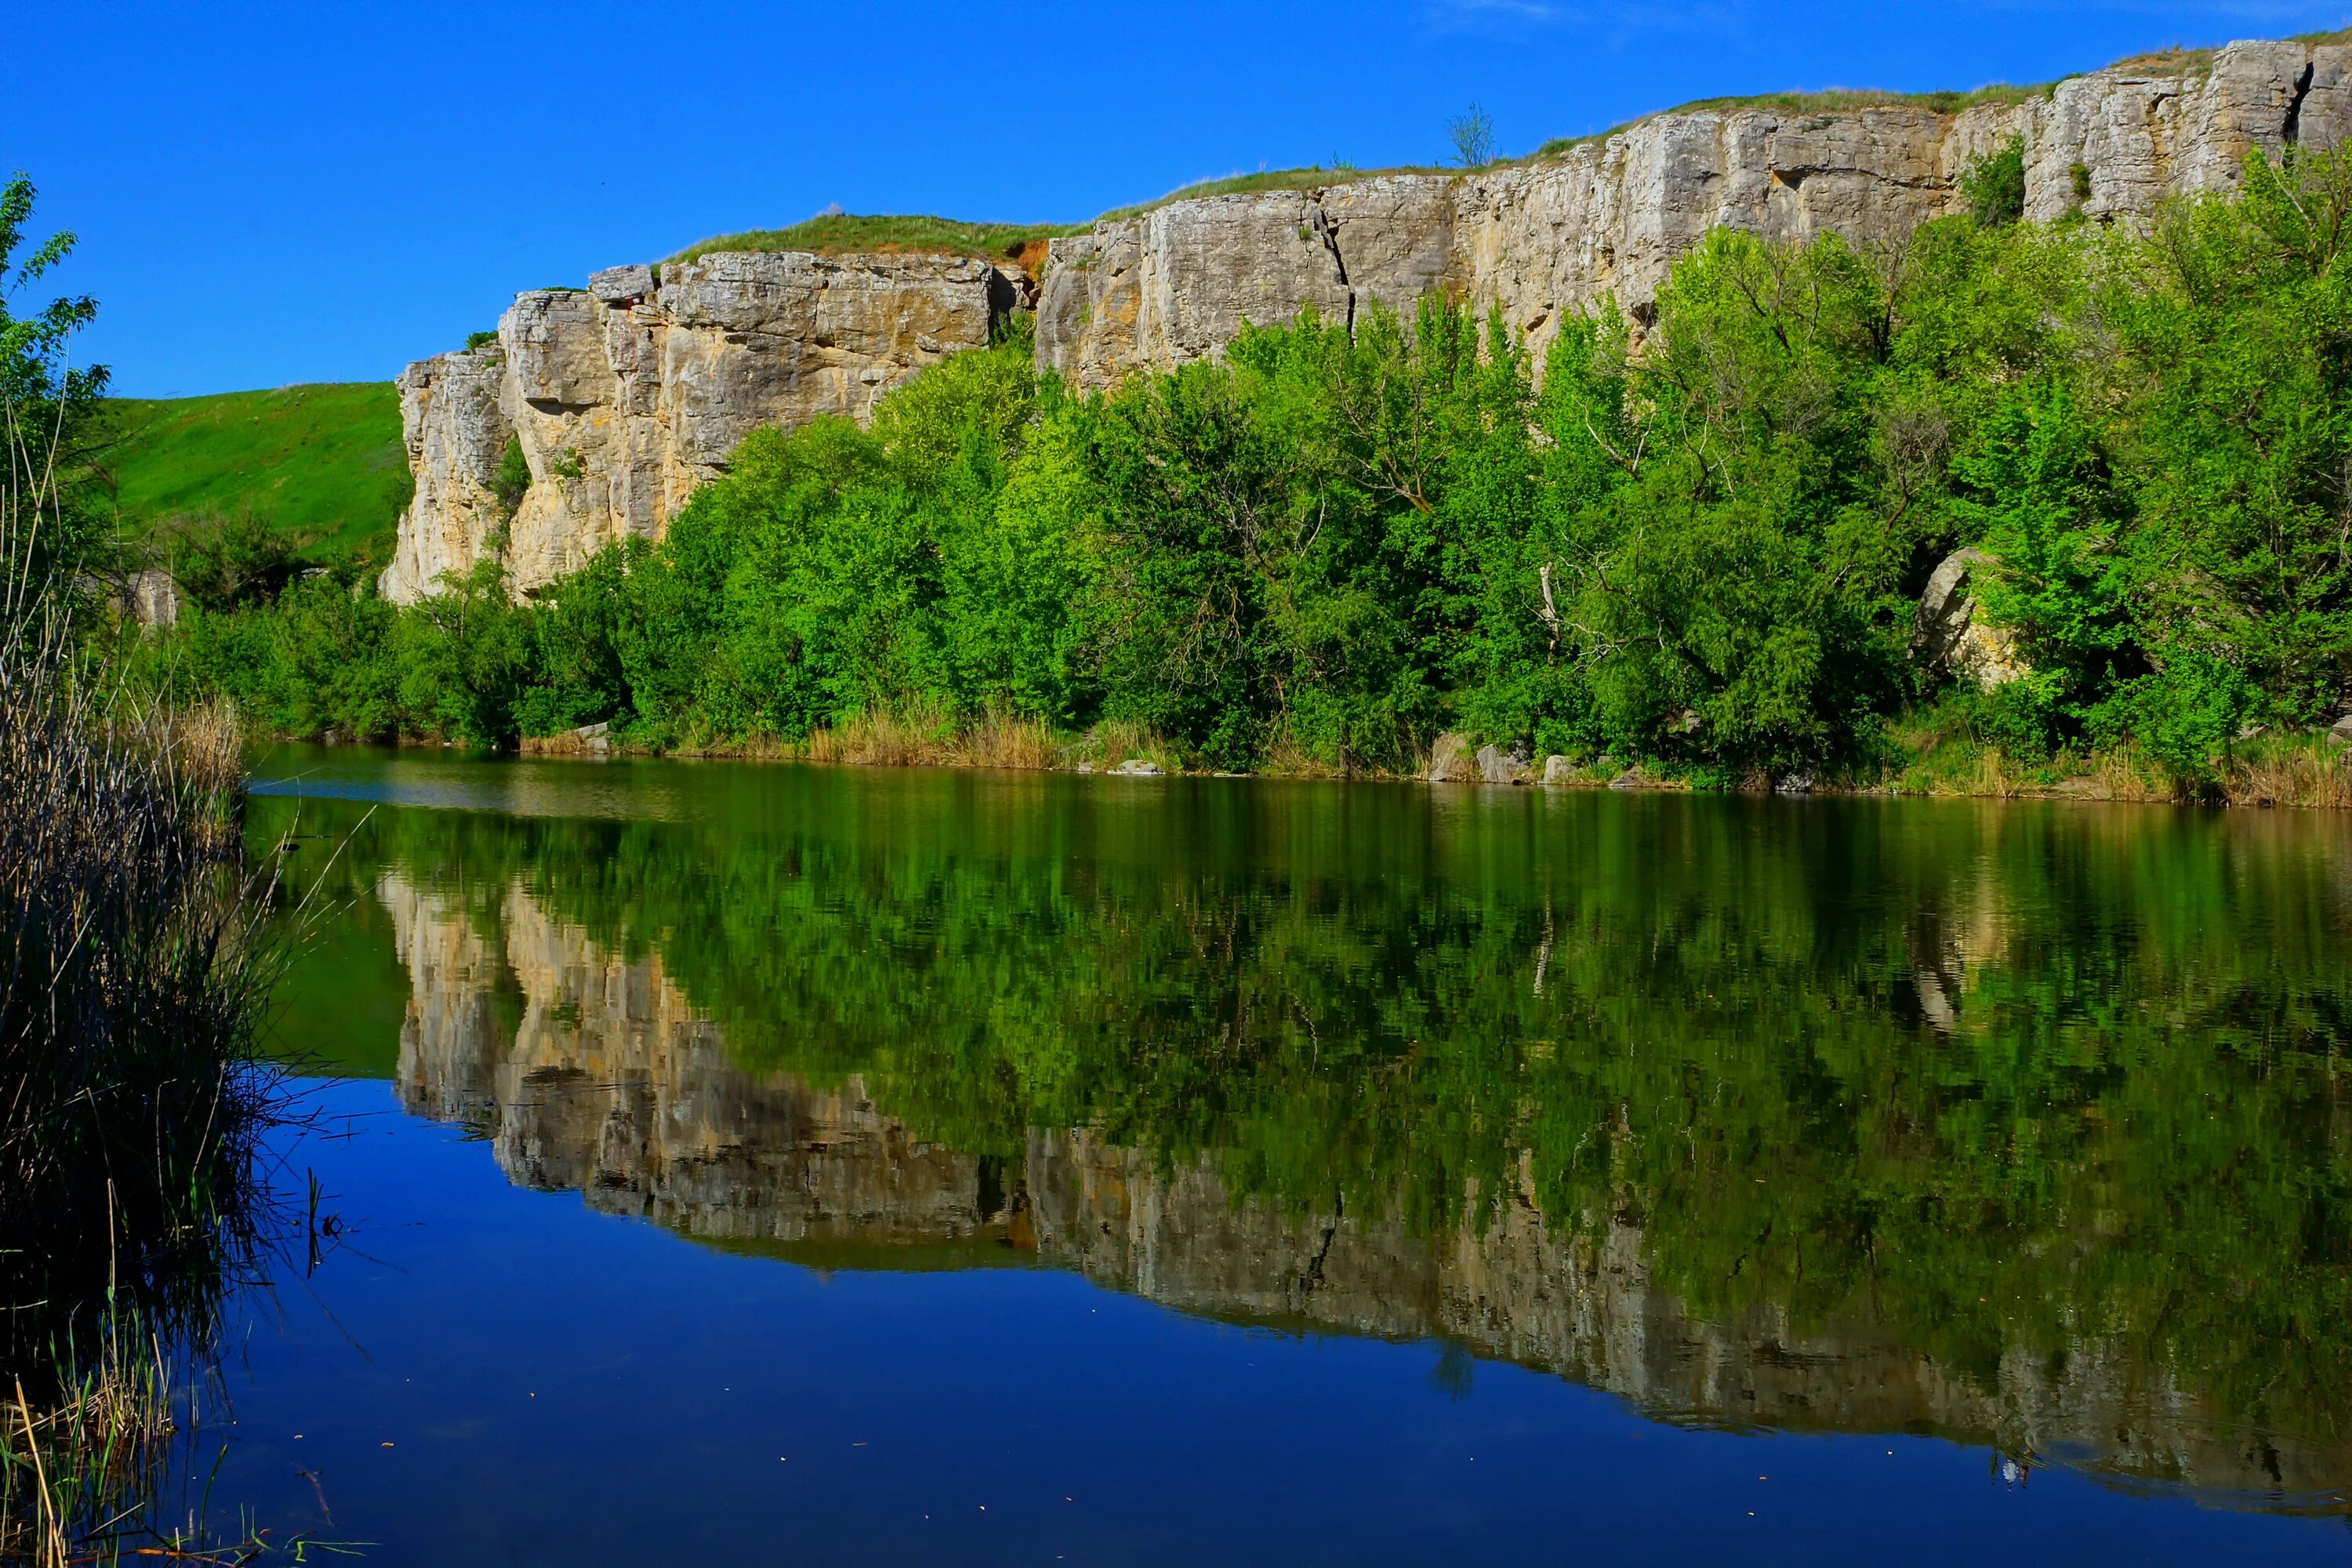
<point x="2107" y="1163"/>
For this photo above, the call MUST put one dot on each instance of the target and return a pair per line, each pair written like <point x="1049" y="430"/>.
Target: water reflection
<point x="2023" y="1127"/>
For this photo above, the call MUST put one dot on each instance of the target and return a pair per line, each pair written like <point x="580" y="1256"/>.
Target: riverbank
<point x="1932" y="756"/>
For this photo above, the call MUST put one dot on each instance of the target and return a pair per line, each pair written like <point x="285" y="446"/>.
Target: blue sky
<point x="271" y="193"/>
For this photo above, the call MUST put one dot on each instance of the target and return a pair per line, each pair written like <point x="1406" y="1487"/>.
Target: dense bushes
<point x="1699" y="542"/>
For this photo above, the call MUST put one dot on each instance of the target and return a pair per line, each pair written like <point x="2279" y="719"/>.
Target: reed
<point x="2289" y="770"/>
<point x="135" y="963"/>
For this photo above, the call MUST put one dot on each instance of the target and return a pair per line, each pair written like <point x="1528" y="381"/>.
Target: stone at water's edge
<point x="1499" y="766"/>
<point x="1558" y="771"/>
<point x="627" y="395"/>
<point x="1450" y="761"/>
<point x="2340" y="732"/>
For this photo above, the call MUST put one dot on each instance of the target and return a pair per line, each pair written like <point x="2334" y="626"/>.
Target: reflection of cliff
<point x="596" y="1077"/>
<point x="592" y="1073"/>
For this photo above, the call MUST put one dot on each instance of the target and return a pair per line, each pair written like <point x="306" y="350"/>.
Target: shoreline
<point x="2305" y="771"/>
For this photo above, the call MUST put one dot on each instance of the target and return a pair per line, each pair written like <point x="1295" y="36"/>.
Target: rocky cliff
<point x="626" y="396"/>
<point x="1546" y="239"/>
<point x="592" y="1073"/>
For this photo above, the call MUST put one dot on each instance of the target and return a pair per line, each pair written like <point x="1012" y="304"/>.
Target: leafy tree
<point x="222" y="559"/>
<point x="2049" y="517"/>
<point x="51" y="408"/>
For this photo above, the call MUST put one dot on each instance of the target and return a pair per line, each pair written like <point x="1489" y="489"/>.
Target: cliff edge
<point x="624" y="397"/>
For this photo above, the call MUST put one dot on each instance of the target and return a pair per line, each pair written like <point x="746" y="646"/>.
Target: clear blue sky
<point x="267" y="193"/>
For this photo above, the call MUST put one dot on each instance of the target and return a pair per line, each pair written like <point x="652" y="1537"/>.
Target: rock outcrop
<point x="1548" y="238"/>
<point x="627" y="395"/>
<point x="1450" y="760"/>
<point x="1949" y="634"/>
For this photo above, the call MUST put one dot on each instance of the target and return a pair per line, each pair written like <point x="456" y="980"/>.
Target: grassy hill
<point x="323" y="461"/>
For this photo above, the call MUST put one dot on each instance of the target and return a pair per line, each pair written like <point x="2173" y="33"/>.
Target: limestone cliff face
<point x="454" y="431"/>
<point x="628" y="395"/>
<point x="1547" y="239"/>
<point x="594" y="1074"/>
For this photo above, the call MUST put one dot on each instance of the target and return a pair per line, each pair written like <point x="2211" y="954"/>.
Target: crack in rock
<point x="1328" y="233"/>
<point x="2292" y="133"/>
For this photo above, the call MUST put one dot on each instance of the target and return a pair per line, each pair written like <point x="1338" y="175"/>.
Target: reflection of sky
<point x="488" y="1375"/>
<point x="458" y="782"/>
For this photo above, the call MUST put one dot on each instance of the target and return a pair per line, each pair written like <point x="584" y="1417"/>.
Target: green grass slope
<point x="322" y="461"/>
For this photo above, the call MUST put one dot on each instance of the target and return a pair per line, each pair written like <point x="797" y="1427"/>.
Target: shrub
<point x="513" y="478"/>
<point x="1994" y="186"/>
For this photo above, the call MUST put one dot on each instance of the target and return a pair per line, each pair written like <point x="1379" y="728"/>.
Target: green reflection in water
<point x="2046" y="1104"/>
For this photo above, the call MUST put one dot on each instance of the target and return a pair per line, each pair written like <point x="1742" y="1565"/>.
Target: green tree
<point x="50" y="406"/>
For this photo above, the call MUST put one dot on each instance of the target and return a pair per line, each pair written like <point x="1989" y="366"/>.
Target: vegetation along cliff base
<point x="1698" y="546"/>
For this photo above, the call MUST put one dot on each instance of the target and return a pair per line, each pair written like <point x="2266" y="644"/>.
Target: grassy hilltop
<point x="324" y="463"/>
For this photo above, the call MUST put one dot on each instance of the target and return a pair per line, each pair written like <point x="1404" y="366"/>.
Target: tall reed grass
<point x="135" y="963"/>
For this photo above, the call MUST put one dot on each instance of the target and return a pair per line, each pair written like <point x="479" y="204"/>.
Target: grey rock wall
<point x="1546" y="240"/>
<point x="629" y="394"/>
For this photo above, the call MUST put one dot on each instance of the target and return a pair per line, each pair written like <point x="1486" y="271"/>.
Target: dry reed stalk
<point x="999" y="741"/>
<point x="2299" y="771"/>
<point x="134" y="960"/>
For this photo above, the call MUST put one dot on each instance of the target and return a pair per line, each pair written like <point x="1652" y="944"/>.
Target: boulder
<point x="1138" y="768"/>
<point x="1558" y="771"/>
<point x="1630" y="779"/>
<point x="1497" y="766"/>
<point x="2340" y="732"/>
<point x="1797" y="780"/>
<point x="153" y="598"/>
<point x="1948" y="633"/>
<point x="1450" y="761"/>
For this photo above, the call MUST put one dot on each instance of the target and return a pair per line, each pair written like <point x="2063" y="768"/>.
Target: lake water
<point x="730" y="1163"/>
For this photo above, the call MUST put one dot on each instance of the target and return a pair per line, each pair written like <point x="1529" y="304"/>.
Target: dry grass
<point x="1938" y="753"/>
<point x="133" y="968"/>
<point x="2295" y="770"/>
<point x="933" y="738"/>
<point x="929" y="737"/>
<point x="1943" y="757"/>
<point x="837" y="234"/>
<point x="920" y="737"/>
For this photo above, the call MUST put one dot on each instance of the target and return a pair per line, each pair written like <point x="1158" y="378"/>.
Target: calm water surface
<point x="743" y="1163"/>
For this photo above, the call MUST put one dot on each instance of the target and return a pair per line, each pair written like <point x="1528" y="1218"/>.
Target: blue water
<point x="557" y="1385"/>
<point x="741" y="1164"/>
